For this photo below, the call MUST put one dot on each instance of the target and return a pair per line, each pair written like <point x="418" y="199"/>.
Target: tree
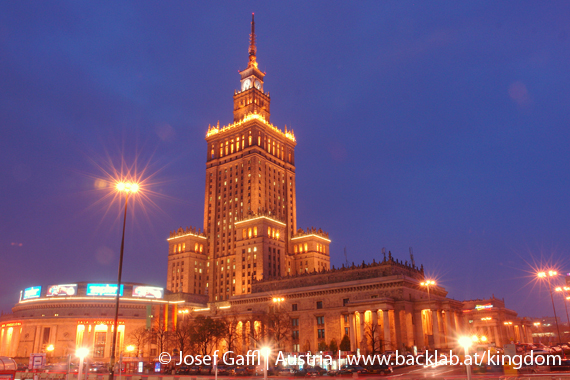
<point x="139" y="338"/>
<point x="160" y="336"/>
<point x="333" y="346"/>
<point x="322" y="346"/>
<point x="230" y="334"/>
<point x="345" y="343"/>
<point x="180" y="336"/>
<point x="206" y="332"/>
<point x="371" y="333"/>
<point x="279" y="327"/>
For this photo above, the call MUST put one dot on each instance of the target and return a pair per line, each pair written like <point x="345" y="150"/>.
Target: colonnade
<point x="398" y="328"/>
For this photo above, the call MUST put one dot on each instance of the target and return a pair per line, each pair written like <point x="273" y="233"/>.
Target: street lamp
<point x="537" y="325"/>
<point x="81" y="353"/>
<point x="129" y="348"/>
<point x="564" y="290"/>
<point x="128" y="188"/>
<point x="265" y="351"/>
<point x="427" y="284"/>
<point x="465" y="342"/>
<point x="547" y="275"/>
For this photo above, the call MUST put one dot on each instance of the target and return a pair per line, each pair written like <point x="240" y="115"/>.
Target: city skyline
<point x="475" y="194"/>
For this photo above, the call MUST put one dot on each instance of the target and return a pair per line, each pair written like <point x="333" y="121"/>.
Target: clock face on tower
<point x="246" y="85"/>
<point x="257" y="84"/>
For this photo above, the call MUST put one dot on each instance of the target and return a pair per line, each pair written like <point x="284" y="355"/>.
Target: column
<point x="498" y="341"/>
<point x="251" y="334"/>
<point x="352" y="332"/>
<point x="243" y="336"/>
<point x="386" y="322"/>
<point x="420" y="339"/>
<point x="363" y="341"/>
<point x="448" y="329"/>
<point x="398" y="329"/>
<point x="458" y="325"/>
<point x="435" y="324"/>
<point x="375" y="330"/>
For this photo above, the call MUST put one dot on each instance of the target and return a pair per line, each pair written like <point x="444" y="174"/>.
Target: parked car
<point x="241" y="371"/>
<point x="382" y="369"/>
<point x="226" y="370"/>
<point x="312" y="372"/>
<point x="563" y="366"/>
<point x="194" y="370"/>
<point x="285" y="372"/>
<point x="354" y="369"/>
<point x="182" y="370"/>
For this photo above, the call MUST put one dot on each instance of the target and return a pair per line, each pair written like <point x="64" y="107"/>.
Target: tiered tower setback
<point x="250" y="219"/>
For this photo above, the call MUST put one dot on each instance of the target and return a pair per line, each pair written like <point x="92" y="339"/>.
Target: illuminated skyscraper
<point x="250" y="219"/>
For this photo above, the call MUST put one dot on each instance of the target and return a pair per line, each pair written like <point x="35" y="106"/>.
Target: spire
<point x="252" y="47"/>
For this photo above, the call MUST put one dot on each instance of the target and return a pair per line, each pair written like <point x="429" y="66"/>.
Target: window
<point x="320" y="320"/>
<point x="345" y="302"/>
<point x="319" y="304"/>
<point x="294" y="307"/>
<point x="99" y="348"/>
<point x="295" y="335"/>
<point x="346" y="331"/>
<point x="295" y="322"/>
<point x="296" y="348"/>
<point x="321" y="333"/>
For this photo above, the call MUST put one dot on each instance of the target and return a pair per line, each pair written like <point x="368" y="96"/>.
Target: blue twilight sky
<point x="437" y="125"/>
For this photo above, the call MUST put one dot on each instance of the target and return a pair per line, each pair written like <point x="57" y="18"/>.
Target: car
<point x="381" y="369"/>
<point x="241" y="371"/>
<point x="299" y="372"/>
<point x="563" y="366"/>
<point x="226" y="370"/>
<point x="528" y="368"/>
<point x="285" y="372"/>
<point x="194" y="370"/>
<point x="354" y="369"/>
<point x="205" y="370"/>
<point x="182" y="370"/>
<point x="312" y="372"/>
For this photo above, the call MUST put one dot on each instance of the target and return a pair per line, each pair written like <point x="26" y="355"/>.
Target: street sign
<point x="37" y="361"/>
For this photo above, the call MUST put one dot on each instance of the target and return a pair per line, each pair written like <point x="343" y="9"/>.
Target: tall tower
<point x="250" y="221"/>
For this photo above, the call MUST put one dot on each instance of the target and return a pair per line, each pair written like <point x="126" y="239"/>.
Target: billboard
<point x="147" y="291"/>
<point x="62" y="290"/>
<point x="33" y="292"/>
<point x="103" y="290"/>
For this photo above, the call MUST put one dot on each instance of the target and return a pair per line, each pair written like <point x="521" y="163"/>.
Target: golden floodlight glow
<point x="265" y="351"/>
<point x="82" y="352"/>
<point x="278" y="299"/>
<point x="483" y="338"/>
<point x="541" y="274"/>
<point x="127" y="187"/>
<point x="465" y="341"/>
<point x="428" y="283"/>
<point x="50" y="348"/>
<point x="558" y="289"/>
<point x="130" y="348"/>
<point x="536" y="324"/>
<point x="475" y="338"/>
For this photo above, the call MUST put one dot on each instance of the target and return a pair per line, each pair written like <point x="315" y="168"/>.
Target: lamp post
<point x="130" y="348"/>
<point x="265" y="351"/>
<point x="127" y="188"/>
<point x="465" y="342"/>
<point x="564" y="291"/>
<point x="549" y="274"/>
<point x="81" y="353"/>
<point x="427" y="284"/>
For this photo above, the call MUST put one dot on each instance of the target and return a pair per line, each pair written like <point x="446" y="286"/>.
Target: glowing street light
<point x="265" y="351"/>
<point x="427" y="284"/>
<point x="564" y="291"/>
<point x="547" y="275"/>
<point x="50" y="348"/>
<point x="278" y="299"/>
<point x="81" y="353"/>
<point x="127" y="188"/>
<point x="465" y="342"/>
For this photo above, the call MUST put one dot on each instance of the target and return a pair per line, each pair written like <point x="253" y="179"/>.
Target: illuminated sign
<point x="103" y="290"/>
<point x="100" y="322"/>
<point x="33" y="292"/>
<point x="147" y="291"/>
<point x="62" y="290"/>
<point x="483" y="307"/>
<point x="11" y="324"/>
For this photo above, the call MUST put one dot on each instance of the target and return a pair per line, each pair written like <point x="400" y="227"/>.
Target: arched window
<point x="268" y="231"/>
<point x="249" y="140"/>
<point x="295" y="248"/>
<point x="249" y="233"/>
<point x="237" y="143"/>
<point x="226" y="148"/>
<point x="277" y="234"/>
<point x="201" y="249"/>
<point x="179" y="247"/>
<point x="212" y="152"/>
<point x="244" y="234"/>
<point x="196" y="247"/>
<point x="254" y="231"/>
<point x="221" y="150"/>
<point x="259" y="140"/>
<point x="174" y="250"/>
<point x="306" y="247"/>
<point x="232" y="147"/>
<point x="242" y="141"/>
<point x="273" y="233"/>
<point x="183" y="247"/>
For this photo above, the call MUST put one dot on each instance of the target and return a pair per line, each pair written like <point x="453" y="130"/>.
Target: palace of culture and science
<point x="249" y="260"/>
